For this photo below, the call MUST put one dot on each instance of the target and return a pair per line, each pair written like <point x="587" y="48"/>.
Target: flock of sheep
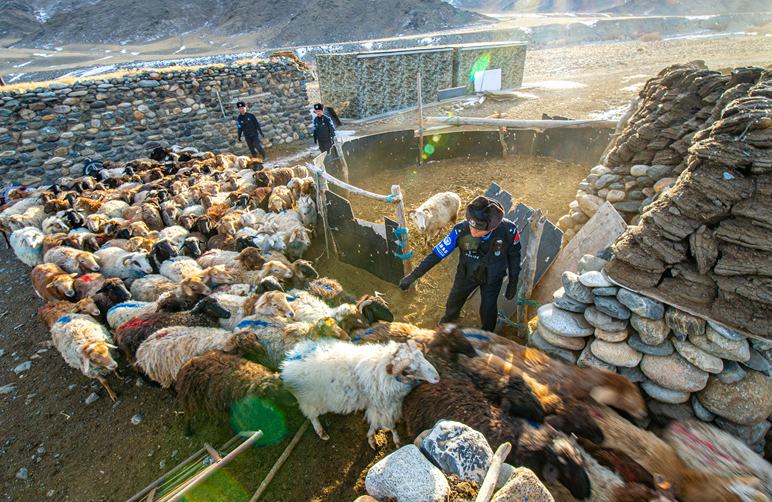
<point x="190" y="265"/>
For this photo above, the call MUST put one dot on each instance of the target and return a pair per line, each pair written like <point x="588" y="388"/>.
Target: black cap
<point x="484" y="213"/>
<point x="318" y="106"/>
<point x="240" y="104"/>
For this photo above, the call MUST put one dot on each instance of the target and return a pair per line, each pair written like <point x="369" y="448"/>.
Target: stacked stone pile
<point x="47" y="132"/>
<point x="652" y="149"/>
<point x="686" y="367"/>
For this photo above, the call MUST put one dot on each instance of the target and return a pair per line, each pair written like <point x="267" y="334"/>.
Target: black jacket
<point x="323" y="129"/>
<point x="248" y="125"/>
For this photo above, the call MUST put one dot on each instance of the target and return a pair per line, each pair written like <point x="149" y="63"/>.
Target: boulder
<point x="564" y="342"/>
<point x="639" y="170"/>
<point x="562" y="322"/>
<point x="610" y="291"/>
<point x="594" y="279"/>
<point x="725" y="348"/>
<point x="635" y="375"/>
<point x="458" y="449"/>
<point x="611" y="306"/>
<point x="664" y="395"/>
<point x="617" y="354"/>
<point x="589" y="263"/>
<point x="565" y="302"/>
<point x="732" y="372"/>
<point x="674" y="372"/>
<point x="641" y="305"/>
<point x="663" y="349"/>
<point x="523" y="485"/>
<point x="588" y="360"/>
<point x="605" y="322"/>
<point x="698" y="357"/>
<point x="575" y="289"/>
<point x="406" y="476"/>
<point x="540" y="343"/>
<point x="746" y="402"/>
<point x="611" y="336"/>
<point x="686" y="324"/>
<point x="651" y="331"/>
<point x="700" y="411"/>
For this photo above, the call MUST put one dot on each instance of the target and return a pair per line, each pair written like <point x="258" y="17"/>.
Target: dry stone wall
<point x="47" y="132"/>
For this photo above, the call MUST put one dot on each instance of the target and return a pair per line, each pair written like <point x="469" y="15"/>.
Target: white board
<point x="487" y="80"/>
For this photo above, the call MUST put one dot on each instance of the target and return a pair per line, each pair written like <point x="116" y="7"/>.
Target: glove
<point x="511" y="290"/>
<point x="406" y="281"/>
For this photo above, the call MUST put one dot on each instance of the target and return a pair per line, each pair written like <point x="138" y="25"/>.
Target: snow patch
<point x="22" y="65"/>
<point x="42" y="54"/>
<point x="553" y="85"/>
<point x="16" y="77"/>
<point x="180" y="49"/>
<point x="41" y="15"/>
<point x="612" y="114"/>
<point x="634" y="87"/>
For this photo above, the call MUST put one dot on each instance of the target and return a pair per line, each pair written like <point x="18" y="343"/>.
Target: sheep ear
<point x="411" y="212"/>
<point x="85" y="362"/>
<point x="390" y="369"/>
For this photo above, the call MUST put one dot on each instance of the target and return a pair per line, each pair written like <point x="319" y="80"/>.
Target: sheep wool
<point x="72" y="333"/>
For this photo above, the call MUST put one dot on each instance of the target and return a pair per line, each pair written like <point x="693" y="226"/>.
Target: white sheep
<point x="174" y="234"/>
<point x="123" y="312"/>
<point x="54" y="225"/>
<point x="180" y="267"/>
<point x="27" y="244"/>
<point x="72" y="260"/>
<point x="438" y="211"/>
<point x="116" y="262"/>
<point x="235" y="305"/>
<point x="307" y="210"/>
<point x="19" y="207"/>
<point x="164" y="352"/>
<point x="113" y="208"/>
<point x="150" y="287"/>
<point x="310" y="308"/>
<point x="217" y="257"/>
<point x="32" y="217"/>
<point x="332" y="376"/>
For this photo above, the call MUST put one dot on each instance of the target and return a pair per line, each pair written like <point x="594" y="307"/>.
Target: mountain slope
<point x="636" y="7"/>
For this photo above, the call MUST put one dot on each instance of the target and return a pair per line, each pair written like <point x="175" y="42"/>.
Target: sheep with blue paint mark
<point x="333" y="376"/>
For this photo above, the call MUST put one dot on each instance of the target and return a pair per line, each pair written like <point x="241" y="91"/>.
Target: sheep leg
<point x="107" y="387"/>
<point x="319" y="429"/>
<point x="395" y="437"/>
<point x="371" y="437"/>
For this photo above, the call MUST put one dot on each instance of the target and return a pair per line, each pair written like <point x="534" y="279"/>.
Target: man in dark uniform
<point x="324" y="130"/>
<point x="489" y="248"/>
<point x="248" y="125"/>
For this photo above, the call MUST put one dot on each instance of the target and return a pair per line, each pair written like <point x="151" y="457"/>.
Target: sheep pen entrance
<point x="541" y="170"/>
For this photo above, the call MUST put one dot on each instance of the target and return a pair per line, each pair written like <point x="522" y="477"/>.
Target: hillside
<point x="47" y="23"/>
<point x="634" y="7"/>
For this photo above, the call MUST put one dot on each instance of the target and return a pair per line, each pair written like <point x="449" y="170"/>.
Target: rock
<point x="605" y="322"/>
<point x="700" y="411"/>
<point x="136" y="419"/>
<point x="406" y="476"/>
<point x="540" y="343"/>
<point x="663" y="349"/>
<point x="588" y="263"/>
<point x="565" y="302"/>
<point x="594" y="279"/>
<point x="9" y="388"/>
<point x="365" y="498"/>
<point x="665" y="395"/>
<point x="635" y="375"/>
<point x="611" y="336"/>
<point x="616" y="195"/>
<point x="663" y="184"/>
<point x="684" y="323"/>
<point x="617" y="354"/>
<point x="757" y="362"/>
<point x="523" y="485"/>
<point x="651" y="331"/>
<point x="22" y="474"/>
<point x="588" y="360"/>
<point x="760" y="345"/>
<point x="726" y="332"/>
<point x="605" y="180"/>
<point x="639" y="170"/>
<point x="564" y="342"/>
<point x="745" y="402"/>
<point x="147" y="83"/>
<point x="589" y="204"/>
<point x="725" y="349"/>
<point x="681" y="412"/>
<point x="674" y="372"/>
<point x="641" y="305"/>
<point x="93" y="397"/>
<point x="611" y="306"/>
<point x="732" y="372"/>
<point x="610" y="291"/>
<point x="698" y="357"/>
<point x="458" y="449"/>
<point x="751" y="435"/>
<point x="21" y="368"/>
<point x="575" y="289"/>
<point x="563" y="323"/>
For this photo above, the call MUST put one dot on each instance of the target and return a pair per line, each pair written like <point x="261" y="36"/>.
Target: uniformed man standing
<point x="324" y="130"/>
<point x="489" y="248"/>
<point x="248" y="125"/>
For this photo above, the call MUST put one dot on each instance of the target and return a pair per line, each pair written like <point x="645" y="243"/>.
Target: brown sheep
<point x="51" y="283"/>
<point x="89" y="206"/>
<point x="274" y="177"/>
<point x="51" y="241"/>
<point x="151" y="215"/>
<point x="260" y="197"/>
<point x="280" y="199"/>
<point x="51" y="312"/>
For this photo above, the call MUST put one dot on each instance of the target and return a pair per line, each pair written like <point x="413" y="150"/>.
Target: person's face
<point x="478" y="233"/>
<point x="242" y="110"/>
<point x="319" y="113"/>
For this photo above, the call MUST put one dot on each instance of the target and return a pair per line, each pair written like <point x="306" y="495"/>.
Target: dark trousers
<point x="325" y="145"/>
<point x="461" y="290"/>
<point x="255" y="147"/>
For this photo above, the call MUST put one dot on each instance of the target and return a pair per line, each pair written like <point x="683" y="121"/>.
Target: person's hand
<point x="406" y="281"/>
<point x="241" y="140"/>
<point x="511" y="290"/>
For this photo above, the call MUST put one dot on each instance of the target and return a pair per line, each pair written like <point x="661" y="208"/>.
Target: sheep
<point x="307" y="210"/>
<point x="53" y="225"/>
<point x="113" y="208"/>
<point x="51" y="283"/>
<point x="438" y="211"/>
<point x="125" y="265"/>
<point x="301" y="186"/>
<point x="297" y="242"/>
<point x="329" y="290"/>
<point x="164" y="352"/>
<point x="18" y="207"/>
<point x="27" y="244"/>
<point x="272" y="268"/>
<point x="309" y="308"/>
<point x="161" y="251"/>
<point x="32" y="217"/>
<point x="85" y="345"/>
<point x="279" y="339"/>
<point x="119" y="314"/>
<point x="552" y="455"/>
<point x="150" y="287"/>
<point x="174" y="234"/>
<point x="132" y="333"/>
<point x="112" y="292"/>
<point x="246" y="259"/>
<point x="333" y="376"/>
<point x="280" y="199"/>
<point x="278" y="177"/>
<point x="180" y="267"/>
<point x="72" y="260"/>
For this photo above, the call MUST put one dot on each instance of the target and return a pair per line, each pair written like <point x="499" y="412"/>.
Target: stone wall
<point x="47" y="132"/>
<point x="363" y="84"/>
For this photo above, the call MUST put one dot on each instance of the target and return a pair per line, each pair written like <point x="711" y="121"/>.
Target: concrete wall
<point x="47" y="132"/>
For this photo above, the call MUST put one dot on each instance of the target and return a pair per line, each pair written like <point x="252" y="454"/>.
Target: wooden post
<point x="399" y="207"/>
<point x="528" y="263"/>
<point x="489" y="483"/>
<point x="283" y="458"/>
<point x="503" y="142"/>
<point x="343" y="163"/>
<point x="321" y="203"/>
<point x="420" y="120"/>
<point x="220" y="101"/>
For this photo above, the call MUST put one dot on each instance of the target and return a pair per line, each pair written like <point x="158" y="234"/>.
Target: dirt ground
<point x="78" y="452"/>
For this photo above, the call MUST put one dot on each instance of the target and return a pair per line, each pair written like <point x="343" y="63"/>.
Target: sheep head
<point x="191" y="246"/>
<point x="250" y="258"/>
<point x="86" y="306"/>
<point x="618" y="392"/>
<point x="419" y="218"/>
<point x="276" y="269"/>
<point x="269" y="283"/>
<point x="328" y="328"/>
<point x="274" y="303"/>
<point x="115" y="290"/>
<point x="194" y="286"/>
<point x="449" y="341"/>
<point x="304" y="269"/>
<point x="97" y="354"/>
<point x="62" y="285"/>
<point x="209" y="307"/>
<point x="88" y="261"/>
<point x="138" y="262"/>
<point x="375" y="308"/>
<point x="554" y="457"/>
<point x="408" y="365"/>
<point x="216" y="275"/>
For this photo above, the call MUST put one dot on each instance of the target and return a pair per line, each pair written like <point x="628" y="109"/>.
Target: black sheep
<point x="112" y="292"/>
<point x="161" y="251"/>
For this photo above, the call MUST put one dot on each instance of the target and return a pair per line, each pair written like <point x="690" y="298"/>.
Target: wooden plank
<point x="598" y="233"/>
<point x="528" y="262"/>
<point x="488" y="487"/>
